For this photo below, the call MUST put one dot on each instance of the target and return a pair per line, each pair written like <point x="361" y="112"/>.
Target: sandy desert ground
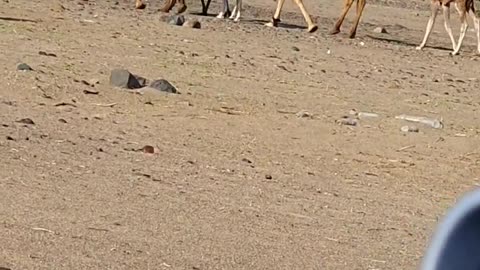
<point x="238" y="180"/>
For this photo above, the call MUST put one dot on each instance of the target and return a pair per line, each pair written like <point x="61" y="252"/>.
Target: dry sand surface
<point x="238" y="180"/>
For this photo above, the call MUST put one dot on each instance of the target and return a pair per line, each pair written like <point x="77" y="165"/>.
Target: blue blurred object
<point x="456" y="243"/>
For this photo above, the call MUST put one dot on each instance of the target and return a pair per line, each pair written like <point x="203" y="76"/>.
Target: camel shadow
<point x="406" y="43"/>
<point x="280" y="24"/>
<point x="16" y="19"/>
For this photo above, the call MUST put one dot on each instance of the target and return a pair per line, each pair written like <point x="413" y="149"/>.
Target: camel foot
<point x="273" y="23"/>
<point x="181" y="9"/>
<point x="140" y="5"/>
<point x="334" y="31"/>
<point x="312" y="28"/>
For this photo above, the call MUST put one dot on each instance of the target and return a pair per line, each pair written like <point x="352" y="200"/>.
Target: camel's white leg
<point x="276" y="16"/>
<point x="431" y="22"/>
<point x="448" y="28"/>
<point x="234" y="11"/>
<point x="239" y="10"/>
<point x="463" y="31"/>
<point x="476" y="24"/>
<point x="225" y="10"/>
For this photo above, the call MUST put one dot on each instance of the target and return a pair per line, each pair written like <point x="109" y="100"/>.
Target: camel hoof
<point x="270" y="24"/>
<point x="334" y="31"/>
<point x="181" y="9"/>
<point x="273" y="23"/>
<point x="418" y="48"/>
<point x="140" y="6"/>
<point x="312" y="28"/>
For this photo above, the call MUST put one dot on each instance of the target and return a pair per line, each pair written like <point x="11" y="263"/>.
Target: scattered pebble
<point x="27" y="121"/>
<point x="47" y="54"/>
<point x="176" y="20"/>
<point x="24" y="67"/>
<point x="303" y="114"/>
<point x="409" y="129"/>
<point x="148" y="149"/>
<point x="164" y="86"/>
<point x="347" y="121"/>
<point x="295" y="49"/>
<point x="268" y="177"/>
<point x="380" y="30"/>
<point x="90" y="92"/>
<point x="192" y="23"/>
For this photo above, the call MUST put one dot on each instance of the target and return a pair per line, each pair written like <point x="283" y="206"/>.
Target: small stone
<point x="90" y="92"/>
<point x="192" y="23"/>
<point x="176" y="20"/>
<point x="27" y="121"/>
<point x="268" y="177"/>
<point x="148" y="149"/>
<point x="24" y="67"/>
<point x="347" y="122"/>
<point x="295" y="49"/>
<point x="164" y="86"/>
<point x="380" y="30"/>
<point x="124" y="79"/>
<point x="409" y="129"/>
<point x="44" y="53"/>
<point x="247" y="160"/>
<point x="303" y="114"/>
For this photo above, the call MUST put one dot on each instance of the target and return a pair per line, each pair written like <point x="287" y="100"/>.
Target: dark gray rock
<point x="176" y="20"/>
<point x="124" y="79"/>
<point x="164" y="86"/>
<point x="143" y="81"/>
<point x="24" y="67"/>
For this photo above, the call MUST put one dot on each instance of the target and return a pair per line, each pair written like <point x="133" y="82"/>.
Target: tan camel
<point x="463" y="7"/>
<point x="312" y="27"/>
<point x="169" y="4"/>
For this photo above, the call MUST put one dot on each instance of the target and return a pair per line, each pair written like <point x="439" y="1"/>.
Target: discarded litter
<point x="434" y="123"/>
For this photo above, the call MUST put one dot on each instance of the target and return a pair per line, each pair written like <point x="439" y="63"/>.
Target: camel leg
<point x="463" y="31"/>
<point x="234" y="11"/>
<point x="139" y="4"/>
<point x="448" y="28"/>
<point x="169" y="4"/>
<point x="431" y="22"/>
<point x="276" y="16"/>
<point x="182" y="6"/>
<point x="205" y="7"/>
<point x="476" y="24"/>
<point x="347" y="4"/>
<point x="225" y="12"/>
<point x="239" y="10"/>
<point x="360" y="7"/>
<point x="311" y="26"/>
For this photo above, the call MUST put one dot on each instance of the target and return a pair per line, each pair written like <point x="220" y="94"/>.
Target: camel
<point x="169" y="4"/>
<point x="463" y="7"/>
<point x="235" y="14"/>
<point x="311" y="27"/>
